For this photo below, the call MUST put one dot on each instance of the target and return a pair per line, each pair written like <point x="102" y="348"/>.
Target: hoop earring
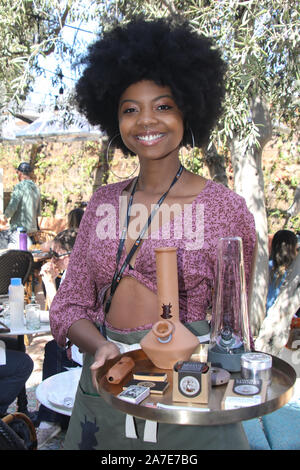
<point x="193" y="138"/>
<point x="193" y="148"/>
<point x="108" y="164"/>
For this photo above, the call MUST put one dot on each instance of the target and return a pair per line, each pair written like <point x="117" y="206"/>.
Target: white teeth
<point x="149" y="138"/>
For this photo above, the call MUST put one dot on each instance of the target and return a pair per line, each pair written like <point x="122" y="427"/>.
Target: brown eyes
<point x="131" y="109"/>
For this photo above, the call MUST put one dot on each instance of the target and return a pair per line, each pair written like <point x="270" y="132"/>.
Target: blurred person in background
<point x="74" y="217"/>
<point x="23" y="209"/>
<point x="15" y="369"/>
<point x="55" y="357"/>
<point x="283" y="253"/>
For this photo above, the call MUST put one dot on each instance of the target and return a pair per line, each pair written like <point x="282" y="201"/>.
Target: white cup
<point x="32" y="314"/>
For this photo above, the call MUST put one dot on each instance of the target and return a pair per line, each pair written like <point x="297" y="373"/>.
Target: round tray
<point x="279" y="393"/>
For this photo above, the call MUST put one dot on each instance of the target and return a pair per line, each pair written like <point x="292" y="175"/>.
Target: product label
<point x="190" y="386"/>
<point x="247" y="386"/>
<point x="239" y="402"/>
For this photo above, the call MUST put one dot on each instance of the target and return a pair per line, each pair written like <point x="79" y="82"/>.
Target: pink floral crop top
<point x="216" y="212"/>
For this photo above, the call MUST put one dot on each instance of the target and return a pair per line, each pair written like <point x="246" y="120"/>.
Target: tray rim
<point x="193" y="417"/>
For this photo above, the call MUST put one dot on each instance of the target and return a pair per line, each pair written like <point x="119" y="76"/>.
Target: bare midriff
<point x="133" y="305"/>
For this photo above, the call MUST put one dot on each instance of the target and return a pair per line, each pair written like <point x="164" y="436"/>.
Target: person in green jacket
<point x="23" y="208"/>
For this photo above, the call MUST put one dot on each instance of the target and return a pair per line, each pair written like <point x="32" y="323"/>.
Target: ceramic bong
<point x="169" y="340"/>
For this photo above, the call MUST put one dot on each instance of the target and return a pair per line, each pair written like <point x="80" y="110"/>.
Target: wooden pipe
<point x="119" y="370"/>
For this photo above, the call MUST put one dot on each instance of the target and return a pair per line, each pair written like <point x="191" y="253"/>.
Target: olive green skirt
<point x="95" y="425"/>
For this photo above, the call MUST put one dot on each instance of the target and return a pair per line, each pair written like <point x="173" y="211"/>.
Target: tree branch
<point x="171" y="7"/>
<point x="58" y="29"/>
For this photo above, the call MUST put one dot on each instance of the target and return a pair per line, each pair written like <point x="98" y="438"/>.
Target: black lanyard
<point x="119" y="273"/>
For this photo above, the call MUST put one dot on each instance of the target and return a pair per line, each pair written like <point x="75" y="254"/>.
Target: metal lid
<point x="258" y="361"/>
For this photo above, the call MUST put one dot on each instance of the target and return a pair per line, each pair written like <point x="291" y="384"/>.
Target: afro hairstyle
<point x="165" y="51"/>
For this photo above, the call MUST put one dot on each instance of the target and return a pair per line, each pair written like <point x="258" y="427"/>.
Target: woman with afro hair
<point x="152" y="86"/>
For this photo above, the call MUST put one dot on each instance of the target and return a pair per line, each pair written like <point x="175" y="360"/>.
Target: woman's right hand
<point x="107" y="350"/>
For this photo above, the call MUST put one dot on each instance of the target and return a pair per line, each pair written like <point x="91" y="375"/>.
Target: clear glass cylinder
<point x="33" y="316"/>
<point x="230" y="323"/>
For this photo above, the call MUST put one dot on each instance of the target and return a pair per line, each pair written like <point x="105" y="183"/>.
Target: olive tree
<point x="28" y="28"/>
<point x="259" y="42"/>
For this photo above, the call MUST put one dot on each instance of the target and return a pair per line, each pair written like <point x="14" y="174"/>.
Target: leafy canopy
<point x="259" y="40"/>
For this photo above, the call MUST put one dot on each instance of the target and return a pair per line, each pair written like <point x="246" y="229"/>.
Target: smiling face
<point x="150" y="122"/>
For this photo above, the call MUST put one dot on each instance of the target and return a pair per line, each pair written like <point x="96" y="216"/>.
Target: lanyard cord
<point x="119" y="273"/>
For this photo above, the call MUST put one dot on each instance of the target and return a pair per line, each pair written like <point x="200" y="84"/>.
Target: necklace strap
<point x="126" y="223"/>
<point x="119" y="273"/>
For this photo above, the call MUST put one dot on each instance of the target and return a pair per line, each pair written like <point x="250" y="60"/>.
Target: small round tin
<point x="256" y="366"/>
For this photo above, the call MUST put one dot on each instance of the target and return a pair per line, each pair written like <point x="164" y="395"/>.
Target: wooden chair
<point x="17" y="432"/>
<point x="14" y="263"/>
<point x="17" y="263"/>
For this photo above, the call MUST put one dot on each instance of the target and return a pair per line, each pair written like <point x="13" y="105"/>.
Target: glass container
<point x="230" y="325"/>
